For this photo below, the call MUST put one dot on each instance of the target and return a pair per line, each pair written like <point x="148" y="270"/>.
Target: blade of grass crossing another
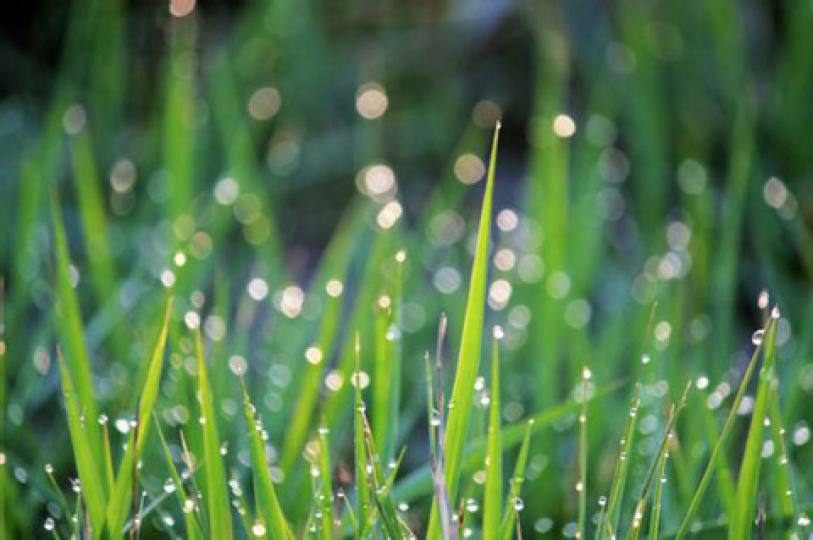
<point x="419" y="481"/>
<point x="468" y="360"/>
<point x="510" y="512"/>
<point x="121" y="496"/>
<point x="724" y="434"/>
<point x="741" y="523"/>
<point x="657" y="501"/>
<point x="220" y="523"/>
<point x="493" y="491"/>
<point x="608" y="520"/>
<point x="640" y="507"/>
<point x="193" y="530"/>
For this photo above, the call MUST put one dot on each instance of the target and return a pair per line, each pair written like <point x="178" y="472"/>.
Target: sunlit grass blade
<point x="515" y="491"/>
<point x="741" y="523"/>
<point x="121" y="496"/>
<point x="92" y="486"/>
<point x="268" y="506"/>
<point x="492" y="506"/>
<point x="69" y="323"/>
<point x="722" y="439"/>
<point x="468" y="360"/>
<point x="220" y="522"/>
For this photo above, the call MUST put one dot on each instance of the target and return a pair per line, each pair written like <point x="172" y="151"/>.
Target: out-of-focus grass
<point x="305" y="177"/>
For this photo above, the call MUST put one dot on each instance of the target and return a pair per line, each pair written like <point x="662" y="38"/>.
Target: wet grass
<point x="173" y="366"/>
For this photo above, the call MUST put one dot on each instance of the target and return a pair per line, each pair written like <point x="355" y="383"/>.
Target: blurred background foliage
<point x="245" y="154"/>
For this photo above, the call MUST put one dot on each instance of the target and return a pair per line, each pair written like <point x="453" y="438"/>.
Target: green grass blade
<point x="786" y="492"/>
<point x="267" y="502"/>
<point x="193" y="530"/>
<point x="724" y="434"/>
<point x="362" y="486"/>
<point x="387" y="371"/>
<point x="306" y="402"/>
<point x="510" y="513"/>
<point x="92" y="213"/>
<point x="581" y="483"/>
<point x="326" y="489"/>
<point x="381" y="491"/>
<point x="109" y="475"/>
<point x="69" y="323"/>
<point x="608" y="521"/>
<point x="220" y="523"/>
<point x="93" y="490"/>
<point x="657" y="501"/>
<point x="650" y="480"/>
<point x="122" y="492"/>
<point x="492" y="506"/>
<point x="741" y="523"/>
<point x="468" y="360"/>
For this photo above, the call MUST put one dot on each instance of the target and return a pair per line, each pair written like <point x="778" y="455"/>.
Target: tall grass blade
<point x="468" y="360"/>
